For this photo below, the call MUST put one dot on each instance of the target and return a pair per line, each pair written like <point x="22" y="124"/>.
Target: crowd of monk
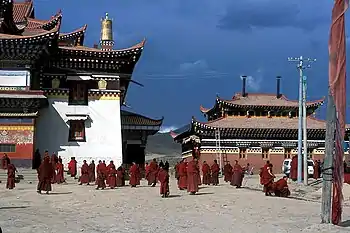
<point x="188" y="174"/>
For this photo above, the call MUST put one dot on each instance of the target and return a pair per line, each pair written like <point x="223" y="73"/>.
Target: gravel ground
<point x="223" y="209"/>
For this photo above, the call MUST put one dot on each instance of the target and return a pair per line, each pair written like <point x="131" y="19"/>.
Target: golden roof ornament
<point x="102" y="84"/>
<point x="106" y="29"/>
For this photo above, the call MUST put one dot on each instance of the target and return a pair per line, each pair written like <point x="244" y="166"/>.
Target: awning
<point x="76" y="117"/>
<point x="79" y="78"/>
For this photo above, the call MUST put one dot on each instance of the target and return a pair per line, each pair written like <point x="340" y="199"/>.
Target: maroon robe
<point x="294" y="168"/>
<point x="112" y="174"/>
<point x="206" y="174"/>
<point x="5" y="161"/>
<point x="192" y="177"/>
<point x="101" y="176"/>
<point x="182" y="184"/>
<point x="72" y="168"/>
<point x="152" y="176"/>
<point x="215" y="169"/>
<point x="54" y="160"/>
<point x="120" y="177"/>
<point x="280" y="188"/>
<point x="45" y="174"/>
<point x="92" y="173"/>
<point x="237" y="176"/>
<point x="133" y="171"/>
<point x="11" y="175"/>
<point x="60" y="173"/>
<point x="138" y="175"/>
<point x="227" y="172"/>
<point x="84" y="178"/>
<point x="267" y="179"/>
<point x="316" y="174"/>
<point x="163" y="177"/>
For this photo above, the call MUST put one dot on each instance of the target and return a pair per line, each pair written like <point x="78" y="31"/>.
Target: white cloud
<point x="167" y="129"/>
<point x="198" y="65"/>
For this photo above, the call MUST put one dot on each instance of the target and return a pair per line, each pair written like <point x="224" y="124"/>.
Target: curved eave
<point x="6" y="38"/>
<point x="135" y="50"/>
<point x="204" y="110"/>
<point x="309" y="104"/>
<point x="7" y="21"/>
<point x="75" y="35"/>
<point x="45" y="24"/>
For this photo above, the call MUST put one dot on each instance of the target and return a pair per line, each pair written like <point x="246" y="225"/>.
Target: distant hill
<point x="163" y="147"/>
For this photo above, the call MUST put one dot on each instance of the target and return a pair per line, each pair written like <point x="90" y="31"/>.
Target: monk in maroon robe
<point x="176" y="168"/>
<point x="108" y="169"/>
<point x="153" y="171"/>
<point x="92" y="173"/>
<point x="60" y="172"/>
<point x="72" y="167"/>
<point x="192" y="176"/>
<point x="45" y="174"/>
<point x="100" y="181"/>
<point x="5" y="161"/>
<point x="206" y="173"/>
<point x="227" y="172"/>
<point x="84" y="178"/>
<point x="280" y="187"/>
<point x="138" y="175"/>
<point x="215" y="170"/>
<point x="316" y="174"/>
<point x="182" y="184"/>
<point x="54" y="160"/>
<point x="146" y="171"/>
<point x="11" y="175"/>
<point x="120" y="177"/>
<point x="112" y="174"/>
<point x="294" y="168"/>
<point x="267" y="178"/>
<point x="163" y="177"/>
<point x="133" y="175"/>
<point x="237" y="176"/>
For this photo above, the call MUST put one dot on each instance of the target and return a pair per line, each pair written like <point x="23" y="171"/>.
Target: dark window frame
<point x="74" y="130"/>
<point x="7" y="148"/>
<point x="78" y="93"/>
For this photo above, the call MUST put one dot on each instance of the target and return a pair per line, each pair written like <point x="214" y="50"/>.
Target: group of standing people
<point x="188" y="176"/>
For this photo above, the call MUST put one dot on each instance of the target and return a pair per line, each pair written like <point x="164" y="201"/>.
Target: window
<point x="265" y="153"/>
<point x="77" y="131"/>
<point x="287" y="153"/>
<point x="242" y="153"/>
<point x="78" y="93"/>
<point x="7" y="148"/>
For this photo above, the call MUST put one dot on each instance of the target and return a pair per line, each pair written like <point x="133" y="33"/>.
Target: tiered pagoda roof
<point x="255" y="127"/>
<point x="134" y="121"/>
<point x="262" y="101"/>
<point x="21" y="36"/>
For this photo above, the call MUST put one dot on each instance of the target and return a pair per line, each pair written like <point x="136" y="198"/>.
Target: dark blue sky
<point x="199" y="48"/>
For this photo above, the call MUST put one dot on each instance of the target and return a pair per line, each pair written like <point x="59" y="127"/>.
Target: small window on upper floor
<point x="78" y="93"/>
<point x="77" y="131"/>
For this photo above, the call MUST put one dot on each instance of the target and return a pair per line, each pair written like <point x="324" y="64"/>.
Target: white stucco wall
<point x="102" y="129"/>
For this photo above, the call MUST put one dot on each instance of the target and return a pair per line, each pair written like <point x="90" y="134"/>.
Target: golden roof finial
<point x="106" y="29"/>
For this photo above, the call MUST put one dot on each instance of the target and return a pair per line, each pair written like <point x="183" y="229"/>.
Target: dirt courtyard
<point x="223" y="209"/>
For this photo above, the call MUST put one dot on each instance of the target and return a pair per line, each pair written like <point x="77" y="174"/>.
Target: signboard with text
<point x="14" y="80"/>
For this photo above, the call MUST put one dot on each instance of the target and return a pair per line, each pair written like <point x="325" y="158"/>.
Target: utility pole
<point x="328" y="161"/>
<point x="306" y="170"/>
<point x="301" y="67"/>
<point x="218" y="148"/>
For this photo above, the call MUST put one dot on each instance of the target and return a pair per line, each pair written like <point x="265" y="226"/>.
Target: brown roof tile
<point x="130" y="118"/>
<point x="258" y="99"/>
<point x="22" y="10"/>
<point x="263" y="123"/>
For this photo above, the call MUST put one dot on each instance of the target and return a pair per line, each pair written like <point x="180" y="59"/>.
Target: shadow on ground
<point x="345" y="223"/>
<point x="13" y="207"/>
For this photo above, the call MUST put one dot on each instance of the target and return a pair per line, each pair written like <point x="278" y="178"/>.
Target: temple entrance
<point x="134" y="153"/>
